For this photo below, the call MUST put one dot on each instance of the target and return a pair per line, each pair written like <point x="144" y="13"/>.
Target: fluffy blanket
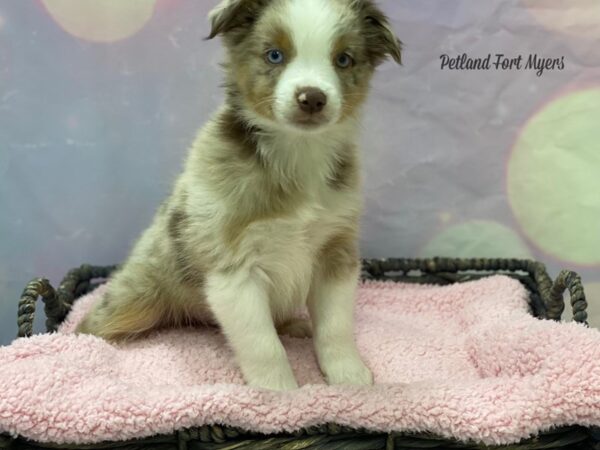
<point x="465" y="361"/>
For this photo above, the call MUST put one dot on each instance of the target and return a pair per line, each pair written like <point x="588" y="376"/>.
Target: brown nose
<point x="311" y="100"/>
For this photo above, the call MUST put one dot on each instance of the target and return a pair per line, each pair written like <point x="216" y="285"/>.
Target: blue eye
<point x="275" y="56"/>
<point x="344" y="60"/>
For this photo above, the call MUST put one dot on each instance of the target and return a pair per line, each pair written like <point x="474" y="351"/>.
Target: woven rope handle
<point x="55" y="309"/>
<point x="571" y="281"/>
<point x="57" y="302"/>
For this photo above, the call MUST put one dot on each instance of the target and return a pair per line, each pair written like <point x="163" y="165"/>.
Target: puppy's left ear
<point x="381" y="40"/>
<point x="232" y="15"/>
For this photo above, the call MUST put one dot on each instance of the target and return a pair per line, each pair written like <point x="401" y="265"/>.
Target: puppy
<point x="264" y="219"/>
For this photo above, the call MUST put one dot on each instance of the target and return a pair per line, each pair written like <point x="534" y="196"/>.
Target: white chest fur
<point x="285" y="249"/>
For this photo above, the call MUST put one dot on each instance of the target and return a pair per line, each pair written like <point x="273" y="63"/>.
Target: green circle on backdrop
<point x="477" y="239"/>
<point x="554" y="178"/>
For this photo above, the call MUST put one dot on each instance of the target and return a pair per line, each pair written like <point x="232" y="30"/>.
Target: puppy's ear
<point x="233" y="14"/>
<point x="381" y="40"/>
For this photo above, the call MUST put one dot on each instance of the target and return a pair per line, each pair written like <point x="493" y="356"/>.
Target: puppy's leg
<point x="296" y="327"/>
<point x="331" y="306"/>
<point x="240" y="304"/>
<point x="123" y="314"/>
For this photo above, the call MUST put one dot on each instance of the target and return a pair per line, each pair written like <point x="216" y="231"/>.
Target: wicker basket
<point x="546" y="301"/>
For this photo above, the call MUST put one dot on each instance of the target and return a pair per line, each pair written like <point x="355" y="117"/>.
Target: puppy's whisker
<point x="263" y="102"/>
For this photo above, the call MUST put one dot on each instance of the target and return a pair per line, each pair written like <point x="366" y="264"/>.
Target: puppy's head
<point x="302" y="64"/>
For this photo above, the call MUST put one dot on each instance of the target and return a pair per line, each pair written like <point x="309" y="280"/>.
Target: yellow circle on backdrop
<point x="101" y="20"/>
<point x="477" y="239"/>
<point x="577" y="18"/>
<point x="554" y="178"/>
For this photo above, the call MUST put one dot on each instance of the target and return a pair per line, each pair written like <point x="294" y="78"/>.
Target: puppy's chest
<point x="287" y="248"/>
<point x="319" y="221"/>
<point x="300" y="233"/>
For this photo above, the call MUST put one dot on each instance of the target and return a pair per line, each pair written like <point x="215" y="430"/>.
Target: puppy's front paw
<point x="276" y="379"/>
<point x="347" y="370"/>
<point x="275" y="383"/>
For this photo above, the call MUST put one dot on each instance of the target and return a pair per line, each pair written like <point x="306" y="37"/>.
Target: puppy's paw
<point x="275" y="374"/>
<point x="274" y="381"/>
<point x="347" y="370"/>
<point x="297" y="328"/>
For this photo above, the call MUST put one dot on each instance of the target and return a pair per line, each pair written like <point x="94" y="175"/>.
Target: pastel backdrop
<point x="99" y="100"/>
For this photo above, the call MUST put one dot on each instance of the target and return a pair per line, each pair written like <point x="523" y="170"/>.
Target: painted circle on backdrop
<point x="577" y="18"/>
<point x="101" y="20"/>
<point x="477" y="239"/>
<point x="553" y="178"/>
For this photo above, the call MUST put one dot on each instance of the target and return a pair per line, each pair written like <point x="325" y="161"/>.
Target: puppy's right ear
<point x="233" y="14"/>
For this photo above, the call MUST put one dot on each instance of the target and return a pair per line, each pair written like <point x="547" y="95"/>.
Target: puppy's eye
<point x="344" y="60"/>
<point x="275" y="56"/>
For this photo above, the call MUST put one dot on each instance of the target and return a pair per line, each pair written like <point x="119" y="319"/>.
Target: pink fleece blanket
<point x="464" y="361"/>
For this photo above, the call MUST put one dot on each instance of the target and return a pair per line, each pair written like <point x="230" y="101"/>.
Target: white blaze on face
<point x="313" y="25"/>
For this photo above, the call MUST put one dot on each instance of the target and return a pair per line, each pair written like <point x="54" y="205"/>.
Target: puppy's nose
<point x="311" y="100"/>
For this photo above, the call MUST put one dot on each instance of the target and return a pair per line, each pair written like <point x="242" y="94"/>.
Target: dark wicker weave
<point x="546" y="301"/>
